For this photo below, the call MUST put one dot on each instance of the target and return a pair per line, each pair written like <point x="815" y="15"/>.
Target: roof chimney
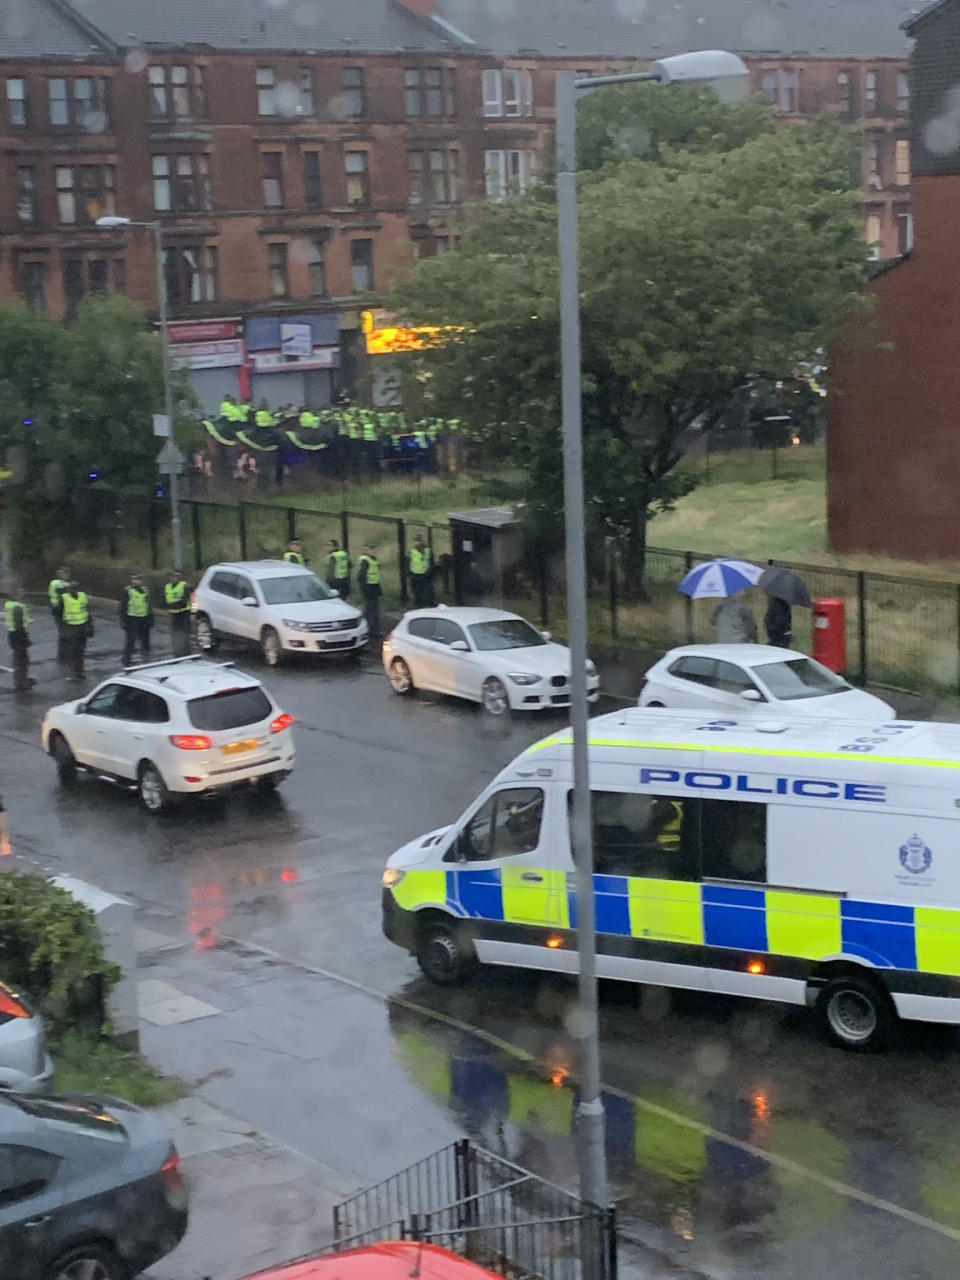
<point x="422" y="8"/>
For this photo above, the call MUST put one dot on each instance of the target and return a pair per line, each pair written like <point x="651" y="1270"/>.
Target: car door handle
<point x="532" y="875"/>
<point x="37" y="1222"/>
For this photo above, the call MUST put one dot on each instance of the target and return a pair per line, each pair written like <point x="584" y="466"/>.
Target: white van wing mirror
<point x="752" y="695"/>
<point x="460" y="646"/>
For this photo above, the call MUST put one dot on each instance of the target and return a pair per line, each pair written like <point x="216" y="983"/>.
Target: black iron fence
<point x="489" y="1210"/>
<point x="901" y="632"/>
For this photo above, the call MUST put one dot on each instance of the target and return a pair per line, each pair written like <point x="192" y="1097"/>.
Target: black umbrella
<point x="785" y="585"/>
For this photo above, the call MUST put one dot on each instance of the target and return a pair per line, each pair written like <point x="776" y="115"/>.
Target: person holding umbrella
<point x="785" y="589"/>
<point x="727" y="579"/>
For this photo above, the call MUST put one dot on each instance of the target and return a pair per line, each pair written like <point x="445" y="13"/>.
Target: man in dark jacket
<point x="778" y="621"/>
<point x="136" y="618"/>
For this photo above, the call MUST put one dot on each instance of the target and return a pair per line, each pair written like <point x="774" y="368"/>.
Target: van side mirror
<point x="752" y="695"/>
<point x="460" y="646"/>
<point x="249" y="601"/>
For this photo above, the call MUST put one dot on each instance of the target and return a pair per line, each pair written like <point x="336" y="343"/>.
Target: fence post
<point x="611" y="1214"/>
<point x="242" y="529"/>
<point x="152" y="525"/>
<point x="543" y="582"/>
<point x="197" y="544"/>
<point x="345" y="530"/>
<point x="862" y="624"/>
<point x="291" y="523"/>
<point x="612" y="574"/>
<point x="402" y="556"/>
<point x="688" y="600"/>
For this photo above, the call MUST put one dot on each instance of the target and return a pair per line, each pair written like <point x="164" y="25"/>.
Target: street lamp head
<point x="111" y="223"/>
<point x="708" y="65"/>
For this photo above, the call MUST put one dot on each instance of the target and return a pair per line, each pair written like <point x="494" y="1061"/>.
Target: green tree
<point x="734" y="254"/>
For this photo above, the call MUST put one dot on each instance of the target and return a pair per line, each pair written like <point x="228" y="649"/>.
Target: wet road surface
<point x="740" y="1143"/>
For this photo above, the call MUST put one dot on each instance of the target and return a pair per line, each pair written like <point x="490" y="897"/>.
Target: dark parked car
<point x="89" y="1189"/>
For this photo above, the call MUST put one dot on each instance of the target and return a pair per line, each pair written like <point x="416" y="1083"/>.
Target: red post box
<point x="830" y="634"/>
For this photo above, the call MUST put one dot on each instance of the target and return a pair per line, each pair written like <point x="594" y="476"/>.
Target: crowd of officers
<point x="70" y="606"/>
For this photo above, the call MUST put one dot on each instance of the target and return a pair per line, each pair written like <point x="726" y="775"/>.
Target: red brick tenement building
<point x="300" y="156"/>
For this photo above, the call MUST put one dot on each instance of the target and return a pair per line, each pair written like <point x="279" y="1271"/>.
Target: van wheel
<point x="65" y="761"/>
<point x="857" y="1013"/>
<point x="443" y="954"/>
<point x="207" y="639"/>
<point x="401" y="680"/>
<point x="152" y="789"/>
<point x="271" y="647"/>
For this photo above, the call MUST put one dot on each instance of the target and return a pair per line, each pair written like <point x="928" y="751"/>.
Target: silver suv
<point x="285" y="608"/>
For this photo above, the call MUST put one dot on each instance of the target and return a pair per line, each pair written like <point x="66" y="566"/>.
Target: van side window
<point x="508" y="824"/>
<point x="637" y="835"/>
<point x="734" y="840"/>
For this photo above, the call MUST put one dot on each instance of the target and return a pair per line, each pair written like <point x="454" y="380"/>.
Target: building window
<point x="507" y="92"/>
<point x="266" y="91"/>
<point x="305" y="105"/>
<point x="178" y="93"/>
<point x="190" y="272"/>
<point x="903" y="93"/>
<point x="873" y="235"/>
<point x="317" y="270"/>
<point x="430" y="91"/>
<point x="902" y="163"/>
<point x="85" y="276"/>
<point x="27" y="196"/>
<point x="904" y="232"/>
<point x="870" y="92"/>
<point x="17" y="102"/>
<point x="413" y="94"/>
<point x="279" y="270"/>
<point x="74" y="285"/>
<point x="509" y="172"/>
<point x="434" y="176"/>
<point x="97" y="275"/>
<point x="119" y="275"/>
<point x="873" y="164"/>
<point x="35" y="284"/>
<point x="846" y="87"/>
<point x="361" y="265"/>
<point x="358" y="178"/>
<point x="85" y="193"/>
<point x="441" y="244"/>
<point x="769" y="86"/>
<point x="789" y="100"/>
<point x="272" y="179"/>
<point x="83" y="102"/>
<point x="354" y="103"/>
<point x="313" y="182"/>
<point x="161" y="184"/>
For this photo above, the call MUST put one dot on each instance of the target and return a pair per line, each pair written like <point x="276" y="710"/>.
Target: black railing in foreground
<point x="489" y="1210"/>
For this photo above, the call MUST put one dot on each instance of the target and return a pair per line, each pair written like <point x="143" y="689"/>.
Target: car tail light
<point x="191" y="741"/>
<point x="12" y="1007"/>
<point x="283" y="721"/>
<point x="172" y="1162"/>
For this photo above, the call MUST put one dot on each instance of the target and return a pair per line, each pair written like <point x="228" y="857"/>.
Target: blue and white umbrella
<point x="720" y="578"/>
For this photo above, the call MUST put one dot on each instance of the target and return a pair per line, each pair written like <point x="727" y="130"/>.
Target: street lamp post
<point x="706" y="65"/>
<point x="112" y="224"/>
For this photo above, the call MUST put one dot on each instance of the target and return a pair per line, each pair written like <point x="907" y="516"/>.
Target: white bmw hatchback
<point x="486" y="655"/>
<point x="169" y="729"/>
<point x="283" y="608"/>
<point x="755" y="679"/>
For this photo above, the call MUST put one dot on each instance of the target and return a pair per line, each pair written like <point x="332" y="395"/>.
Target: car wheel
<point x="493" y="695"/>
<point x="152" y="789"/>
<point x="88" y="1262"/>
<point x="857" y="1013"/>
<point x="443" y="954"/>
<point x="65" y="761"/>
<point x="271" y="647"/>
<point x="207" y="639"/>
<point x="400" y="678"/>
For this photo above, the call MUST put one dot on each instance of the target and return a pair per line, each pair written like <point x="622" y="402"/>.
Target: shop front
<point x="293" y="360"/>
<point x="212" y="352"/>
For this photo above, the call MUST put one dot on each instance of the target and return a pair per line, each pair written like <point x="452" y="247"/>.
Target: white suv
<point x="281" y="606"/>
<point x="166" y="729"/>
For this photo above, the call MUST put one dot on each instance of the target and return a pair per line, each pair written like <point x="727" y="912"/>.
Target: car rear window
<point x="229" y="709"/>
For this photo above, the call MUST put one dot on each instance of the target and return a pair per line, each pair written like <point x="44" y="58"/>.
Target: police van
<point x="813" y="862"/>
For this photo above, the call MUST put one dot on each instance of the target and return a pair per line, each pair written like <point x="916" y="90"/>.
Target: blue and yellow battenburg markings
<point x="809" y="926"/>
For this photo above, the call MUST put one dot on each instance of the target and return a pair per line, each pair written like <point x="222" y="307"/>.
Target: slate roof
<point x="815" y="28"/>
<point x="39" y="28"/>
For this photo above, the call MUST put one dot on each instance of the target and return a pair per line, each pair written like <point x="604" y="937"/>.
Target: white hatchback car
<point x="756" y="679"/>
<point x="176" y="728"/>
<point x="280" y="606"/>
<point x="495" y="658"/>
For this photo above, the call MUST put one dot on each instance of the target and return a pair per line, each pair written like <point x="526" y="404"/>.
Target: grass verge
<point x="91" y="1064"/>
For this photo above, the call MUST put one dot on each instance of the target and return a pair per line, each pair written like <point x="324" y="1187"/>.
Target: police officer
<point x="17" y="618"/>
<point x="263" y="417"/>
<point x="55" y="592"/>
<point x="77" y="625"/>
<point x="136" y="618"/>
<point x="294" y="552"/>
<point x="371" y="589"/>
<point x="338" y="569"/>
<point x="176" y="602"/>
<point x="420" y="568"/>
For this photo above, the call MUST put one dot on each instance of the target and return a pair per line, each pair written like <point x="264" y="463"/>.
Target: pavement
<point x="739" y="1142"/>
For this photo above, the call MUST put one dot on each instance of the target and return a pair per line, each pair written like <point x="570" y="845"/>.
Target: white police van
<point x="812" y="862"/>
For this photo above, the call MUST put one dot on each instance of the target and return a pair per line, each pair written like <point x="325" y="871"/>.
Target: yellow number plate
<point x="234" y="748"/>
